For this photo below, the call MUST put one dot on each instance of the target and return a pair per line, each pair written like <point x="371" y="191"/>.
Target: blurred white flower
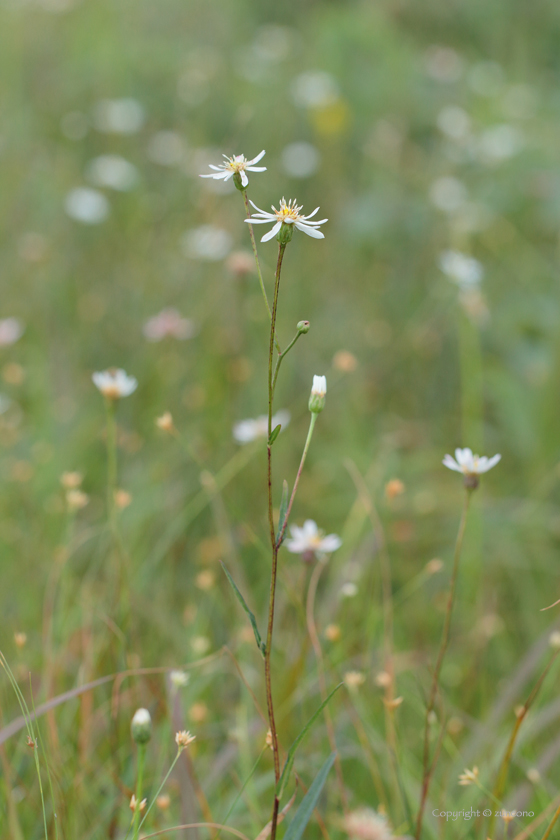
<point x="349" y="590"/>
<point x="273" y="43"/>
<point x="179" y="679"/>
<point x="287" y="214"/>
<point x="499" y="143"/>
<point x="166" y="148"/>
<point x="236" y="165"/>
<point x="86" y="205"/>
<point x="314" y="89"/>
<point x="468" y="464"/>
<point x="448" y="194"/>
<point x="366" y="824"/>
<point x="486" y="78"/>
<point x="112" y="171"/>
<point x="461" y="269"/>
<point x="300" y="160"/>
<point x="118" y="116"/>
<point x="206" y="243"/>
<point x="168" y="322"/>
<point x="443" y="64"/>
<point x="114" y="383"/>
<point x="454" y="122"/>
<point x="10" y="331"/>
<point x="311" y="542"/>
<point x="247" y="431"/>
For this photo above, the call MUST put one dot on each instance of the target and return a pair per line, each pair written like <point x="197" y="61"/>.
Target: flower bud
<point x="141" y="726"/>
<point x="165" y="422"/>
<point x="318" y="392"/>
<point x="303" y="327"/>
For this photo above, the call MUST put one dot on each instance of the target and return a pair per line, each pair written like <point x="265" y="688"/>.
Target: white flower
<point x="366" y="824"/>
<point x="114" y="383"/>
<point x="288" y="214"/>
<point x="118" y="116"/>
<point x="236" y="165"/>
<point x="86" y="205"/>
<point x="10" y="330"/>
<point x="248" y="430"/>
<point x="318" y="393"/>
<point x="310" y="541"/>
<point x="179" y="679"/>
<point x="168" y="322"/>
<point x="468" y="464"/>
<point x="112" y="171"/>
<point x="465" y="271"/>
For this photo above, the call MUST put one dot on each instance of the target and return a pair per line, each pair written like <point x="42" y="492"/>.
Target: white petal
<point x="272" y="232"/>
<point x="313" y="223"/>
<point x="486" y="464"/>
<point x="331" y="543"/>
<point x="244" y="179"/>
<point x="451" y="464"/>
<point x="256" y="168"/>
<point x="252" y="203"/>
<point x="254" y="221"/>
<point x="315" y="234"/>
<point x="257" y="158"/>
<point x="312" y="214"/>
<point x="310" y="528"/>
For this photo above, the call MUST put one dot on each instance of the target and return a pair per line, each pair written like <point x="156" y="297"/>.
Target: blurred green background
<point x="428" y="134"/>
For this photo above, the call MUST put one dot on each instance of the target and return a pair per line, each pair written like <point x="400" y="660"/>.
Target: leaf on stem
<point x="292" y="751"/>
<point x="309" y="801"/>
<point x="283" y="512"/>
<point x="274" y="434"/>
<point x="260" y="644"/>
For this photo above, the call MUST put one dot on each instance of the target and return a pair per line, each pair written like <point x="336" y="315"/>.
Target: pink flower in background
<point x="168" y="322"/>
<point x="10" y="331"/>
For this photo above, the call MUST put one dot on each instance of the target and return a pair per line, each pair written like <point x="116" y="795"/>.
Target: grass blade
<point x="309" y="801"/>
<point x="252" y="619"/>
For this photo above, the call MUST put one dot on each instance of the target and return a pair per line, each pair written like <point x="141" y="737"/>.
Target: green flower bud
<point x="303" y="327"/>
<point x="141" y="726"/>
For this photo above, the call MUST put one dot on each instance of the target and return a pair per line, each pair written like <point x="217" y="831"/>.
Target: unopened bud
<point x="141" y="726"/>
<point x="318" y="393"/>
<point x="303" y="327"/>
<point x="134" y="804"/>
<point x="76" y="499"/>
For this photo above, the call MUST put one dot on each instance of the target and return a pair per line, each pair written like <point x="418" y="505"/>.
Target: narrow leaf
<point x="309" y="801"/>
<point x="283" y="510"/>
<point x="252" y="619"/>
<point x="274" y="434"/>
<point x="292" y="751"/>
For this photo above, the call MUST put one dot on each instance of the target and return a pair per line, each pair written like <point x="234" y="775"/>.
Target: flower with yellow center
<point x="288" y="215"/>
<point x="236" y="165"/>
<point x="310" y="541"/>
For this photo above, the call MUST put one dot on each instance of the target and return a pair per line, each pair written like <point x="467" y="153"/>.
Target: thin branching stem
<point x="273" y="577"/>
<point x="257" y="263"/>
<point x="312" y="422"/>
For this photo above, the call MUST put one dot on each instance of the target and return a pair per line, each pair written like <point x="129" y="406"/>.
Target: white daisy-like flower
<point x="114" y="383"/>
<point x="311" y="542"/>
<point x="236" y="165"/>
<point x="468" y="464"/>
<point x="287" y="214"/>
<point x="247" y="431"/>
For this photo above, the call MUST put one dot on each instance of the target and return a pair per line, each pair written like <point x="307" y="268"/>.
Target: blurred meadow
<point x="428" y="134"/>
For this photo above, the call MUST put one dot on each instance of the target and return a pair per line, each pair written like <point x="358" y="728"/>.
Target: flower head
<point x="470" y="465"/>
<point x="141" y="726"/>
<point x="183" y="739"/>
<point x="247" y="431"/>
<point x="366" y="824"/>
<point x="237" y="165"/>
<point x="469" y="777"/>
<point x="114" y="383"/>
<point x="318" y="393"/>
<point x="285" y="219"/>
<point x="168" y="323"/>
<point x="311" y="542"/>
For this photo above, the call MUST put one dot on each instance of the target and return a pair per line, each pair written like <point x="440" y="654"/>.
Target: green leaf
<point x="283" y="511"/>
<point x="274" y="434"/>
<point x="309" y="801"/>
<point x="260" y="644"/>
<point x="292" y="751"/>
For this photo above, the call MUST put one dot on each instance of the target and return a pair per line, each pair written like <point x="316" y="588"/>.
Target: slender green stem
<point x="243" y="786"/>
<point x="139" y="783"/>
<point x="257" y="262"/>
<point x="281" y="356"/>
<point x="160" y="788"/>
<point x="274" y="569"/>
<point x="111" y="463"/>
<point x="429" y="767"/>
<point x="312" y="422"/>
